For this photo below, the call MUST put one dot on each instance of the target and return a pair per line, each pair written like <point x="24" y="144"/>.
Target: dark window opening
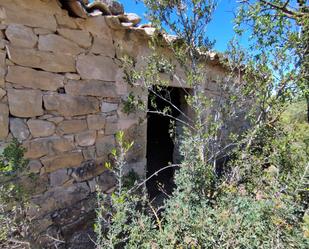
<point x="160" y="145"/>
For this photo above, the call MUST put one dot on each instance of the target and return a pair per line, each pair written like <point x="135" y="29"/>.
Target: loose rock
<point x="131" y="18"/>
<point x="115" y="7"/>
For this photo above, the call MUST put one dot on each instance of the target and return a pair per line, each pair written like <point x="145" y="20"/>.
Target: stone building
<point x="61" y="95"/>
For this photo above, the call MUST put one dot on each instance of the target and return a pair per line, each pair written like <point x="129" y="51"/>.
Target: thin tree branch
<point x="287" y="12"/>
<point x="154" y="174"/>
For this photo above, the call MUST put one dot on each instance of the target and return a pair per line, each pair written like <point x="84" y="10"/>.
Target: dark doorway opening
<point x="160" y="145"/>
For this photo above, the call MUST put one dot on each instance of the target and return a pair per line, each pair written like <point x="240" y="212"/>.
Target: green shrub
<point x="260" y="197"/>
<point x="14" y="220"/>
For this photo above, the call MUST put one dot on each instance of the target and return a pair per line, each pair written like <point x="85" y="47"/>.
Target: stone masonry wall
<point x="61" y="92"/>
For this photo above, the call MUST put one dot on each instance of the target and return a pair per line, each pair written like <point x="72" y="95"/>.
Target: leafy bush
<point x="14" y="220"/>
<point x="12" y="158"/>
<point x="265" y="208"/>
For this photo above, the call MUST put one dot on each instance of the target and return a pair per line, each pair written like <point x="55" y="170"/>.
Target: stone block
<point x="21" y="36"/>
<point x="108" y="107"/>
<point x="46" y="7"/>
<point x="25" y="103"/>
<point x="4" y="121"/>
<point x="47" y="61"/>
<point x="106" y="180"/>
<point x="113" y="22"/>
<point x="111" y="126"/>
<point x="35" y="79"/>
<point x="71" y="126"/>
<point x="47" y="146"/>
<point x="34" y="166"/>
<point x="80" y="37"/>
<point x="89" y="153"/>
<point x="68" y="106"/>
<point x="97" y="26"/>
<point x="67" y="160"/>
<point x="121" y="85"/>
<point x="41" y="128"/>
<point x="129" y="44"/>
<point x="61" y="197"/>
<point x="96" y="122"/>
<point x="96" y="67"/>
<point x="58" y="44"/>
<point x="138" y="134"/>
<point x="86" y="138"/>
<point x="58" y="177"/>
<point x="91" y="88"/>
<point x="103" y="46"/>
<point x="19" y="128"/>
<point x="64" y="20"/>
<point x="28" y="17"/>
<point x="104" y="146"/>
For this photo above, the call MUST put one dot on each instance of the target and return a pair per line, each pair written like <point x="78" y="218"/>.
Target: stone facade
<point x="61" y="92"/>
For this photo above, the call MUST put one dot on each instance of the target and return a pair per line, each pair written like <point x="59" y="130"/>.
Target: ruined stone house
<point x="61" y="94"/>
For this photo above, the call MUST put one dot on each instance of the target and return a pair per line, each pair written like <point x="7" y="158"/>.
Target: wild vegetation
<point x="14" y="220"/>
<point x="258" y="198"/>
<point x="232" y="189"/>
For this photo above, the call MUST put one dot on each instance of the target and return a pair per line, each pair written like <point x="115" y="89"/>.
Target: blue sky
<point x="220" y="29"/>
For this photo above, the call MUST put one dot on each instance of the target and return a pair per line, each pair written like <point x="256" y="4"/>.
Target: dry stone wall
<point x="61" y="92"/>
<point x="61" y="88"/>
